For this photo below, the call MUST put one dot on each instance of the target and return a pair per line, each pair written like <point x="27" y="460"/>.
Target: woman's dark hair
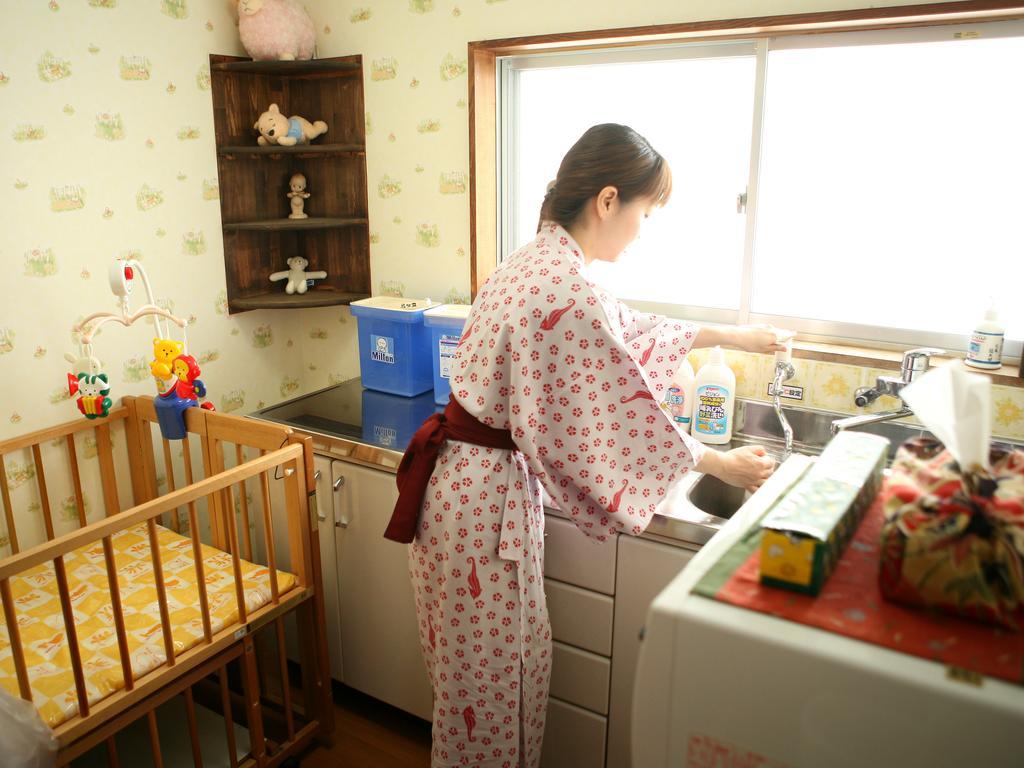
<point x="607" y="155"/>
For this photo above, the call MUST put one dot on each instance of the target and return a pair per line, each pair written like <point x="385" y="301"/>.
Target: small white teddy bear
<point x="296" y="275"/>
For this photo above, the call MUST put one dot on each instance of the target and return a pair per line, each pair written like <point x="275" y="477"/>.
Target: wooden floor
<point x="371" y="734"/>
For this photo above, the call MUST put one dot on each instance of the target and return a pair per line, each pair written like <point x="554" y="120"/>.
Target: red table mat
<point x="851" y="604"/>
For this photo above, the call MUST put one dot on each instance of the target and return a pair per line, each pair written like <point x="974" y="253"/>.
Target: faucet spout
<point x="915" y="364"/>
<point x="783" y="372"/>
<point x="869" y="418"/>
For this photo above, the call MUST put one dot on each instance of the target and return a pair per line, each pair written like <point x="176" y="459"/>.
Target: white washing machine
<point x="720" y="686"/>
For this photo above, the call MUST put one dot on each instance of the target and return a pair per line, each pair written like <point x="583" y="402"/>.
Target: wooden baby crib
<point x="180" y="596"/>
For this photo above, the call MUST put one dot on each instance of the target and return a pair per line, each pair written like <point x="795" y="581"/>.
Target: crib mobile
<point x="175" y="371"/>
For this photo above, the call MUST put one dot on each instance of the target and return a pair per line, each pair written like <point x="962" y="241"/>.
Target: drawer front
<point x="572" y="556"/>
<point x="573" y="737"/>
<point x="580" y="677"/>
<point x="580" y="617"/>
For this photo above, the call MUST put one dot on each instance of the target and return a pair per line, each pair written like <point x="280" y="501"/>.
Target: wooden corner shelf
<point x="276" y="152"/>
<point x="259" y="238"/>
<point x="278" y="299"/>
<point x="342" y="65"/>
<point x="277" y="225"/>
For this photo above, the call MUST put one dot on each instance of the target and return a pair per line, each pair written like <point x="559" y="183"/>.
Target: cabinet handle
<point x="341" y="521"/>
<point x="320" y="515"/>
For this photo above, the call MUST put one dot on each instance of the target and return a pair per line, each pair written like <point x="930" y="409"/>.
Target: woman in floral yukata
<point x="556" y="386"/>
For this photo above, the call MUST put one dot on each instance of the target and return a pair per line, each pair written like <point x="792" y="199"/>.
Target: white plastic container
<point x="679" y="397"/>
<point x="445" y="323"/>
<point x="986" y="347"/>
<point x="714" y="400"/>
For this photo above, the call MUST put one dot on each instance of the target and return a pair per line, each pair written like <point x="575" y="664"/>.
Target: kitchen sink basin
<point x="698" y="506"/>
<point x="714" y="497"/>
<point x="756" y="422"/>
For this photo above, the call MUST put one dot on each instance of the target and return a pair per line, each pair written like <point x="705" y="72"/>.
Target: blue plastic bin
<point x="390" y="421"/>
<point x="394" y="352"/>
<point x="445" y="323"/>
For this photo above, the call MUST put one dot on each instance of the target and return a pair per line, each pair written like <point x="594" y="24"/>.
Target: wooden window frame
<point x="483" y="56"/>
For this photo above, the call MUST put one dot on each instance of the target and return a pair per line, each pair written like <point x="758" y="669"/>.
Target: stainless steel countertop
<point x="676" y="521"/>
<point x="340" y="435"/>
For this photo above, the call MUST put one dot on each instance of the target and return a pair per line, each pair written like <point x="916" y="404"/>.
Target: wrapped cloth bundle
<point x="954" y="540"/>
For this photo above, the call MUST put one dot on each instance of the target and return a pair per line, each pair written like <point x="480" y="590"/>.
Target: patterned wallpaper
<point x="106" y="149"/>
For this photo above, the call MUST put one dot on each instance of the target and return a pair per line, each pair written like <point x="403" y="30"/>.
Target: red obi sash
<point x="420" y="457"/>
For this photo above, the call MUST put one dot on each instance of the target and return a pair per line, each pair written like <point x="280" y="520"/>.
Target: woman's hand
<point x="749" y="338"/>
<point x="745" y="467"/>
<point x="759" y="338"/>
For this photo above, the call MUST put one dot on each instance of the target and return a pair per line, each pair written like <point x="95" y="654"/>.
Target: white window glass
<point x="890" y="185"/>
<point x="697" y="113"/>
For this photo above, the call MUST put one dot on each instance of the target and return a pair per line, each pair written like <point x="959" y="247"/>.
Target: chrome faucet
<point x="914" y="365"/>
<point x="784" y="371"/>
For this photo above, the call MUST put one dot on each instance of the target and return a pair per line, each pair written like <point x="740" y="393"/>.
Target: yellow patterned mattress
<point x="42" y="625"/>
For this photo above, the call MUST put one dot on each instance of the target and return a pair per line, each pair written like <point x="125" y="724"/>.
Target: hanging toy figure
<point x="178" y="386"/>
<point x="164" y="352"/>
<point x="92" y="390"/>
<point x="188" y="385"/>
<point x="184" y="394"/>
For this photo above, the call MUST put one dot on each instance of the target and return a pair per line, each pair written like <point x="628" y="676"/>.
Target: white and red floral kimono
<point x="577" y="377"/>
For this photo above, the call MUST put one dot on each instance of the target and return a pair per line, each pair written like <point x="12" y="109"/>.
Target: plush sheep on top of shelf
<point x="275" y="30"/>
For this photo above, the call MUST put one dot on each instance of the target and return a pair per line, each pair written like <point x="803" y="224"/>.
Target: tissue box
<point x="955" y="541"/>
<point x="807" y="530"/>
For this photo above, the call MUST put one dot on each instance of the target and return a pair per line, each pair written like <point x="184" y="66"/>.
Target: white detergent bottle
<point x="986" y="348"/>
<point x="679" y="396"/>
<point x="714" y="399"/>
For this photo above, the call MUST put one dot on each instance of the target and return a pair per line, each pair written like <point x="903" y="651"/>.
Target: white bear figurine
<point x="296" y="275"/>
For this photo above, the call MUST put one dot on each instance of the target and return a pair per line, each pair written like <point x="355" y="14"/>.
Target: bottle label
<point x="675" y="400"/>
<point x="985" y="349"/>
<point x="711" y="417"/>
<point x="446" y="346"/>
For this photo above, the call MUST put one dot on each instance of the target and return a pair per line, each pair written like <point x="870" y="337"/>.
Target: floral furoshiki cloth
<point x="952" y="540"/>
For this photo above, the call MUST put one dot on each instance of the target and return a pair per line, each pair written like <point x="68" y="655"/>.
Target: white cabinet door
<point x="575" y="558"/>
<point x="573" y="737"/>
<point x="328" y="561"/>
<point x="580" y="617"/>
<point x="580" y="677"/>
<point x="380" y="642"/>
<point x="643" y="569"/>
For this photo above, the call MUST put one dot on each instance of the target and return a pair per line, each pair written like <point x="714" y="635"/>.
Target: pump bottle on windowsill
<point x="985" y="350"/>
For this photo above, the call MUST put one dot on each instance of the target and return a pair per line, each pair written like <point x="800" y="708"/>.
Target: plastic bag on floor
<point x="25" y="740"/>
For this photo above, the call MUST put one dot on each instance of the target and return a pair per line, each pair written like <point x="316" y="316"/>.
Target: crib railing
<point x="101" y="430"/>
<point x="280" y="453"/>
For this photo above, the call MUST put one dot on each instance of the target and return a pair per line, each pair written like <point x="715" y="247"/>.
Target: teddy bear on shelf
<point x="275" y="30"/>
<point x="275" y="128"/>
<point x="296" y="275"/>
<point x="298" y="195"/>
